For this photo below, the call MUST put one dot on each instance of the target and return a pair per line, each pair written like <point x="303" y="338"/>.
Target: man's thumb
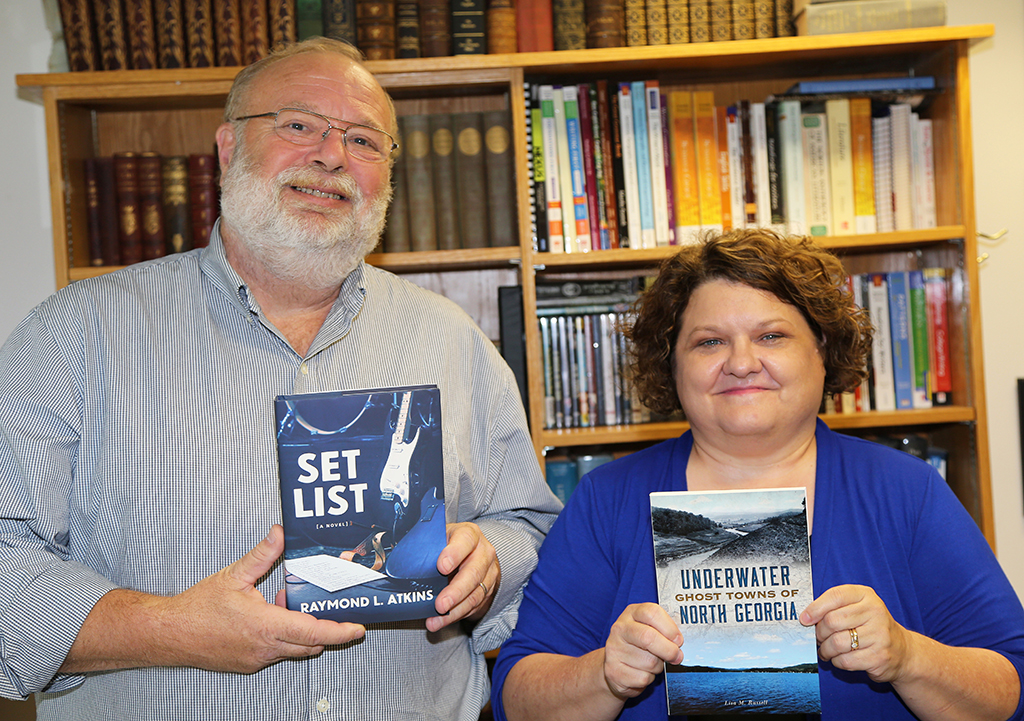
<point x="254" y="565"/>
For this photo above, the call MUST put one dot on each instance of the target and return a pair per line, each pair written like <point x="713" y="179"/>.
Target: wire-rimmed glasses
<point x="304" y="127"/>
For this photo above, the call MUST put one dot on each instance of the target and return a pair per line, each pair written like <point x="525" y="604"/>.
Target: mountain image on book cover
<point x="362" y="498"/>
<point x="734" y="571"/>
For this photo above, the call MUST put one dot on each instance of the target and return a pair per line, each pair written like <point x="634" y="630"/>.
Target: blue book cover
<point x="863" y="85"/>
<point x="734" y="571"/>
<point x="362" y="502"/>
<point x="899" y="324"/>
<point x="643" y="162"/>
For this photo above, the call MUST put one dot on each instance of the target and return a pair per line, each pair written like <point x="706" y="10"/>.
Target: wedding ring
<point x="483" y="586"/>
<point x="854" y="640"/>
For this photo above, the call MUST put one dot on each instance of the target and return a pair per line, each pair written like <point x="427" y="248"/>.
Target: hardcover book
<point x="199" y="33"/>
<point x="76" y="21"/>
<point x="227" y="33"/>
<point x="419" y="182"/>
<point x="435" y="28"/>
<point x="362" y="498"/>
<point x="282" y="22"/>
<point x="109" y="18"/>
<point x="141" y="35"/>
<point x="733" y="570"/>
<point x="339" y="20"/>
<point x="255" y="30"/>
<point x="170" y="33"/>
<point x="442" y="148"/>
<point x="375" y="28"/>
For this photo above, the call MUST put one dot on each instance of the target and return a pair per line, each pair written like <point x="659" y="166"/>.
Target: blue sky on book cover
<point x="362" y="501"/>
<point x="733" y="569"/>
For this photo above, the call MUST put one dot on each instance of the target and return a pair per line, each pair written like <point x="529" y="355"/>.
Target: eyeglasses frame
<point x="330" y="126"/>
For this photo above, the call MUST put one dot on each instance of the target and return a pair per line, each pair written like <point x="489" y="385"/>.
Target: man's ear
<point x="226" y="140"/>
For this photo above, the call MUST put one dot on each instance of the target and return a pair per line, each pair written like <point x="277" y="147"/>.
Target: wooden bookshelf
<point x="177" y="111"/>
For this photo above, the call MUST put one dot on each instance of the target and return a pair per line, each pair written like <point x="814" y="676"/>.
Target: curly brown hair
<point x="792" y="268"/>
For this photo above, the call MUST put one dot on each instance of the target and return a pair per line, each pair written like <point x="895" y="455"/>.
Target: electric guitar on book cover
<point x="362" y="491"/>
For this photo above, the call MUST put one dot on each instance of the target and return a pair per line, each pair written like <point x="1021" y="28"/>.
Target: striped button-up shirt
<point x="137" y="451"/>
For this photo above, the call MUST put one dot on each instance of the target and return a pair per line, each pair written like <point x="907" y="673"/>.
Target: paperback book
<point x="734" y="571"/>
<point x="362" y="498"/>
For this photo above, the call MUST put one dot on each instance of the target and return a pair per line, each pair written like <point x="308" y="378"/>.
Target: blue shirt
<point x="137" y="451"/>
<point x="882" y="518"/>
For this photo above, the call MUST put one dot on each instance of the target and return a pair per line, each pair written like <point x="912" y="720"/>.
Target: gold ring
<point x="854" y="640"/>
<point x="483" y="586"/>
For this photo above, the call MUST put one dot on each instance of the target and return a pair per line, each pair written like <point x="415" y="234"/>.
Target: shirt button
<point x="305" y="369"/>
<point x="323" y="705"/>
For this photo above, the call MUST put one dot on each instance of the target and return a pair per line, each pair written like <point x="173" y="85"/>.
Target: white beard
<point x="311" y="249"/>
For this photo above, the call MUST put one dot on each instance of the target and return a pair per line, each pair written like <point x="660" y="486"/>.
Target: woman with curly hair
<point x="746" y="332"/>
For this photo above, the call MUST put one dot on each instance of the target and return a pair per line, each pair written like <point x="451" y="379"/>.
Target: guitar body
<point x="415" y="554"/>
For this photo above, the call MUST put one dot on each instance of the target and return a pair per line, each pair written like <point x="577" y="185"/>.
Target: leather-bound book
<point x="109" y="18"/>
<point x="442" y="161"/>
<point x="657" y="22"/>
<point x="203" y="196"/>
<point x="199" y="33"/>
<point x="396" y="232"/>
<point x="534" y="26"/>
<point x="469" y="27"/>
<point x="177" y="218"/>
<point x="126" y="190"/>
<point x="700" y="22"/>
<point x="375" y="28"/>
<point x="419" y="181"/>
<point x="636" y="22"/>
<point x="227" y="32"/>
<point x="678" y="21"/>
<point x="720" y="17"/>
<point x="151" y="206"/>
<point x="170" y="34"/>
<point x="407" y="24"/>
<point x="101" y="206"/>
<point x="784" y="27"/>
<point x="570" y="24"/>
<point x="76" y="19"/>
<point x="606" y="23"/>
<point x="255" y="30"/>
<point x="340" y="20"/>
<point x="141" y="35"/>
<point x="282" y="22"/>
<point x="471" y="179"/>
<point x="502" y="217"/>
<point x="309" y="18"/>
<point x="764" y="18"/>
<point x="435" y="28"/>
<point x="742" y="19"/>
<point x="501" y="27"/>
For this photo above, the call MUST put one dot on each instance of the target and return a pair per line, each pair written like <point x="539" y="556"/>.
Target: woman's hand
<point x="856" y="632"/>
<point x="641" y="641"/>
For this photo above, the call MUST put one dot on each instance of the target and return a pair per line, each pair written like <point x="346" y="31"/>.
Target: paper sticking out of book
<point x="362" y="502"/>
<point x="733" y="569"/>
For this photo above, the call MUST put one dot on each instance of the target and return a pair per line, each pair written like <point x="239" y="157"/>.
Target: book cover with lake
<point x="734" y="570"/>
<point x="362" y="502"/>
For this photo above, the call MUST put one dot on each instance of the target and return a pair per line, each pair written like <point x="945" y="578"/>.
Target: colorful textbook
<point x="362" y="497"/>
<point x="734" y="570"/>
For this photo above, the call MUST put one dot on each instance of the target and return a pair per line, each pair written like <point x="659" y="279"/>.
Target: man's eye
<point x="362" y="140"/>
<point x="297" y="127"/>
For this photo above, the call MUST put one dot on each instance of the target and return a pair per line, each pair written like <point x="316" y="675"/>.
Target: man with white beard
<point x="139" y="499"/>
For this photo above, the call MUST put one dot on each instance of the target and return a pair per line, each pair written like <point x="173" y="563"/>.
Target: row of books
<point x="454" y="183"/>
<point x="150" y="34"/>
<point x="142" y="206"/>
<point x="618" y="165"/>
<point x="563" y="473"/>
<point x="910" y="365"/>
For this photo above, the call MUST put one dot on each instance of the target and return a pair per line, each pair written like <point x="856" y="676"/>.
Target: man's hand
<point x="469" y="593"/>
<point x="220" y="624"/>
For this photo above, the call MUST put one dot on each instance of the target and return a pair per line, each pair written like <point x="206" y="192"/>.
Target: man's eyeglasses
<point x="303" y="127"/>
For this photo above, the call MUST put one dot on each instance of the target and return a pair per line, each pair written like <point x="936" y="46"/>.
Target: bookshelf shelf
<point x="177" y="111"/>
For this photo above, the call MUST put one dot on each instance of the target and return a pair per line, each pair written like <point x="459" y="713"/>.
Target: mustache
<point x="340" y="182"/>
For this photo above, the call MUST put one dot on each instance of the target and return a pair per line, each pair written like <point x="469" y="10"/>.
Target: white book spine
<point x="818" y="191"/>
<point x="881" y="347"/>
<point x="792" y="157"/>
<point x="659" y="187"/>
<point x="734" y="133"/>
<point x="881" y="143"/>
<point x="629" y="166"/>
<point x="762" y="185"/>
<point x="902" y="183"/>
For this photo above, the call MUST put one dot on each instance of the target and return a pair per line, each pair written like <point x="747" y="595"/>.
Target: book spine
<point x="818" y="190"/>
<point x="882" y="377"/>
<point x="442" y="160"/>
<point x="720" y="17"/>
<point x="784" y="27"/>
<point x="552" y="170"/>
<point x="126" y="186"/>
<point x="110" y="31"/>
<point x="737" y="186"/>
<point x="776" y="200"/>
<point x="407" y="29"/>
<point x="471" y="179"/>
<point x="791" y="157"/>
<point x="936" y="294"/>
<point x="743" y="20"/>
<point x="397" y="236"/>
<point x="469" y="27"/>
<point x="419" y="182"/>
<point x="636" y="22"/>
<point x="678" y="21"/>
<point x="538" y="172"/>
<point x="657" y="22"/>
<point x="684" y="166"/>
<point x="177" y="225"/>
<point x="663" y="234"/>
<point x="549" y="394"/>
<point x="151" y="207"/>
<point x="899" y="323"/>
<point x="642" y="147"/>
<point x="227" y="32"/>
<point x="863" y="166"/>
<point x="724" y="174"/>
<point x="534" y="26"/>
<point x="577" y="174"/>
<point x="435" y="28"/>
<point x="923" y="164"/>
<point x="591" y="174"/>
<point x="511" y="335"/>
<point x="375" y="28"/>
<point x="759" y="151"/>
<point x="840" y="156"/>
<point x="76" y="21"/>
<point x="764" y="19"/>
<point x="564" y="161"/>
<point x="922" y="397"/>
<point x="605" y="23"/>
<point x="569" y="24"/>
<point x="748" y="166"/>
<point x="902" y="184"/>
<point x="706" y="144"/>
<point x="339" y="20"/>
<point x="856" y="16"/>
<point x="608" y="188"/>
<point x="501" y="27"/>
<point x="255" y="30"/>
<point x="501" y="185"/>
<point x="630" y="174"/>
<point x="670" y="191"/>
<point x="199" y="33"/>
<point x="618" y="168"/>
<point x="700" y="21"/>
<point x="309" y="19"/>
<point x="282" y="23"/>
<point x="203" y="196"/>
<point x="141" y="35"/>
<point x="92" y="206"/>
<point x="881" y="146"/>
<point x="170" y="34"/>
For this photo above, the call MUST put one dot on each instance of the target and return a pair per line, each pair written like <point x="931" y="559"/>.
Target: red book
<point x="126" y="188"/>
<point x="151" y="210"/>
<point x="534" y="26"/>
<point x="589" y="169"/>
<point x="604" y="123"/>
<point x="202" y="184"/>
<point x="936" y="297"/>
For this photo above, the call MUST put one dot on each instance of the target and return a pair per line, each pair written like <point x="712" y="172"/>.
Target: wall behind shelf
<point x="997" y="84"/>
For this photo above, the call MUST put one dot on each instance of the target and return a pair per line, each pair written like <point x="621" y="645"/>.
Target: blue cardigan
<point x="882" y="518"/>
